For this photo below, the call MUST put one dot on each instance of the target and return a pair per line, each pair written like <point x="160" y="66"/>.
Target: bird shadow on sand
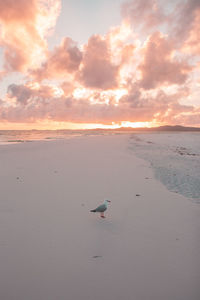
<point x="106" y="225"/>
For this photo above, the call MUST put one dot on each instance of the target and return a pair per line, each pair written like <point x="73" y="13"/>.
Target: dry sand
<point x="52" y="247"/>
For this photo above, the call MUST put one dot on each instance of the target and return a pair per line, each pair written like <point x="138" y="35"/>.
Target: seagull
<point x="101" y="208"/>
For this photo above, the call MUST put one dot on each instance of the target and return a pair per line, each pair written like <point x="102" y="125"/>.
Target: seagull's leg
<point x="102" y="215"/>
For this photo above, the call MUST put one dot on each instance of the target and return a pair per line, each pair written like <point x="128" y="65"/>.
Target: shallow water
<point x="21" y="136"/>
<point x="174" y="157"/>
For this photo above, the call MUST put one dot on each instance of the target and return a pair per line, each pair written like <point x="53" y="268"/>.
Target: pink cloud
<point x="127" y="53"/>
<point x="12" y="10"/>
<point x="181" y="23"/>
<point x="34" y="105"/>
<point x="68" y="87"/>
<point x="20" y="92"/>
<point x="192" y="41"/>
<point x="97" y="70"/>
<point x="63" y="60"/>
<point x="159" y="67"/>
<point x="25" y="96"/>
<point x="184" y="17"/>
<point x="143" y="14"/>
<point x="24" y="27"/>
<point x="191" y="119"/>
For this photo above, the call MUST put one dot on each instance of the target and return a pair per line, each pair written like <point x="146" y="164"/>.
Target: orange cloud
<point x="159" y="67"/>
<point x="24" y="26"/>
<point x="34" y="103"/>
<point x="97" y="69"/>
<point x="63" y="60"/>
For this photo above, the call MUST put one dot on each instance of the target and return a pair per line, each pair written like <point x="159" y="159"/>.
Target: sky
<point x="103" y="63"/>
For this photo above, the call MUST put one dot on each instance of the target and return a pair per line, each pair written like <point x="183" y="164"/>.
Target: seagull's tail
<point x="93" y="210"/>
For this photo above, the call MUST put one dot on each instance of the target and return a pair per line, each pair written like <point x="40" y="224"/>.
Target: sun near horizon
<point x="75" y="126"/>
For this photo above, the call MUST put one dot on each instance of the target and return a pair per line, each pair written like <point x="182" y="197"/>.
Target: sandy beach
<point x="52" y="247"/>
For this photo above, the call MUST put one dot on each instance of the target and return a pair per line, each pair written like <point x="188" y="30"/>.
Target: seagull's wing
<point x="101" y="208"/>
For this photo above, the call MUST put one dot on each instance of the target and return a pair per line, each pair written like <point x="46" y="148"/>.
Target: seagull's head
<point x="107" y="201"/>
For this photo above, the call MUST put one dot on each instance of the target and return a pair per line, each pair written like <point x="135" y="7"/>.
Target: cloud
<point x="158" y="106"/>
<point x="24" y="95"/>
<point x="184" y="16"/>
<point x="68" y="87"/>
<point x="191" y="118"/>
<point x="120" y="76"/>
<point x="127" y="53"/>
<point x="192" y="41"/>
<point x="97" y="70"/>
<point x="64" y="60"/>
<point x="33" y="105"/>
<point x="24" y="26"/>
<point x="143" y="14"/>
<point x="20" y="92"/>
<point x="159" y="67"/>
<point x="179" y="19"/>
<point x="95" y="66"/>
<point x="12" y="10"/>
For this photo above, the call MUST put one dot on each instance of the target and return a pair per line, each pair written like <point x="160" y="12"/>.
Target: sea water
<point x="22" y="136"/>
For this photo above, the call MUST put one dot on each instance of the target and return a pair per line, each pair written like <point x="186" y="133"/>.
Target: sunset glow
<point x="142" y="72"/>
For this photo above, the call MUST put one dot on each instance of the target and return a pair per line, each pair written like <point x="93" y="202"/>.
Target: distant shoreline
<point x="121" y="129"/>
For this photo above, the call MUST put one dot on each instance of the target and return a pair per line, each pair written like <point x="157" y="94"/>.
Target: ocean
<point x="22" y="136"/>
